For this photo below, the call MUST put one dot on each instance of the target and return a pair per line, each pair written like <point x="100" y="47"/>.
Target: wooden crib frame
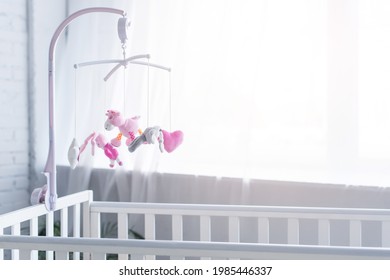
<point x="80" y="219"/>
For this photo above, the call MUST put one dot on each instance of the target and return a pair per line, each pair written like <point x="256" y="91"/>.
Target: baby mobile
<point x="128" y="127"/>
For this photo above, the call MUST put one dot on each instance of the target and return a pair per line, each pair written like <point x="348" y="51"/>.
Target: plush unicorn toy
<point x="127" y="127"/>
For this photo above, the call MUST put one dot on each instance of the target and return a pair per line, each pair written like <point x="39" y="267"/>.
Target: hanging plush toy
<point x="151" y="135"/>
<point x="127" y="127"/>
<point x="172" y="140"/>
<point x="168" y="141"/>
<point x="73" y="153"/>
<point x="75" y="150"/>
<point x="101" y="141"/>
<point x="109" y="150"/>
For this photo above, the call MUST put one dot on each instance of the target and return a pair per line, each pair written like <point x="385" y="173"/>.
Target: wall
<point x="14" y="138"/>
<point x="26" y="28"/>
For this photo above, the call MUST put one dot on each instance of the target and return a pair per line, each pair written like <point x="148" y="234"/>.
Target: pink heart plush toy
<point x="172" y="140"/>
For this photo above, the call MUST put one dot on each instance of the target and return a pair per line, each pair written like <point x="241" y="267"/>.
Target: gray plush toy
<point x="149" y="136"/>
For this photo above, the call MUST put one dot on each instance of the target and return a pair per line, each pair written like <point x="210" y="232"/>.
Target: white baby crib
<point x="22" y="235"/>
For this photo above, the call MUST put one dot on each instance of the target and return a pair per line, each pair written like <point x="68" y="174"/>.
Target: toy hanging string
<point x="73" y="150"/>
<point x="124" y="90"/>
<point x="170" y="101"/>
<point x="148" y="95"/>
<point x="75" y="102"/>
<point x="105" y="96"/>
<point x="124" y="78"/>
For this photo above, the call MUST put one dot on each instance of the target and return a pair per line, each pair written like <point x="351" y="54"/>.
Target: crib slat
<point x="15" y="230"/>
<point x="64" y="232"/>
<point x="234" y="229"/>
<point x="263" y="230"/>
<point x="177" y="227"/>
<point x="95" y="225"/>
<point x="34" y="232"/>
<point x="91" y="225"/>
<point x="150" y="226"/>
<point x="49" y="232"/>
<point x="76" y="220"/>
<point x="177" y="232"/>
<point x="94" y="230"/>
<point x="25" y="255"/>
<point x="385" y="234"/>
<point x="205" y="231"/>
<point x="324" y="232"/>
<point x="64" y="222"/>
<point x="136" y="257"/>
<point x="293" y="231"/>
<point x="76" y="227"/>
<point x="87" y="222"/>
<point x="87" y="219"/>
<point x="50" y="224"/>
<point x="205" y="228"/>
<point x="61" y="255"/>
<point x="98" y="256"/>
<point x="150" y="231"/>
<point x="355" y="233"/>
<point x="34" y="226"/>
<point x="123" y="225"/>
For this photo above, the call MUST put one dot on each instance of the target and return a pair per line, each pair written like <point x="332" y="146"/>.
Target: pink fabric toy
<point x="128" y="127"/>
<point x="109" y="150"/>
<point x="101" y="141"/>
<point x="168" y="141"/>
<point x="172" y="140"/>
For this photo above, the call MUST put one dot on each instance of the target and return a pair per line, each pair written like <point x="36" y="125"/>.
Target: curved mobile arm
<point x="50" y="168"/>
<point x="105" y="61"/>
<point x="122" y="62"/>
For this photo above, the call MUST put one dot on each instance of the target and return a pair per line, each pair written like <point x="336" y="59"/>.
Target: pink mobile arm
<point x="50" y="168"/>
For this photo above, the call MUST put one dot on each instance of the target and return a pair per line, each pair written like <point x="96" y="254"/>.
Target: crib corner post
<point x="87" y="221"/>
<point x="87" y="215"/>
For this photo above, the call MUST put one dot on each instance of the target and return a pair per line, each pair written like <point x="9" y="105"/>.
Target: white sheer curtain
<point x="285" y="90"/>
<point x="83" y="98"/>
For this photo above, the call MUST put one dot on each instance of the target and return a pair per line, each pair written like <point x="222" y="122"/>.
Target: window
<point x="288" y="90"/>
<point x="253" y="94"/>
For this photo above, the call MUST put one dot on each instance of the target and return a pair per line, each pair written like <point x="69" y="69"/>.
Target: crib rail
<point x="80" y="216"/>
<point x="26" y="221"/>
<point x="180" y="249"/>
<point x="262" y="215"/>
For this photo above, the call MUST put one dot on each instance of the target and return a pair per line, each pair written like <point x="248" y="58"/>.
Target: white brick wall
<point x="14" y="136"/>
